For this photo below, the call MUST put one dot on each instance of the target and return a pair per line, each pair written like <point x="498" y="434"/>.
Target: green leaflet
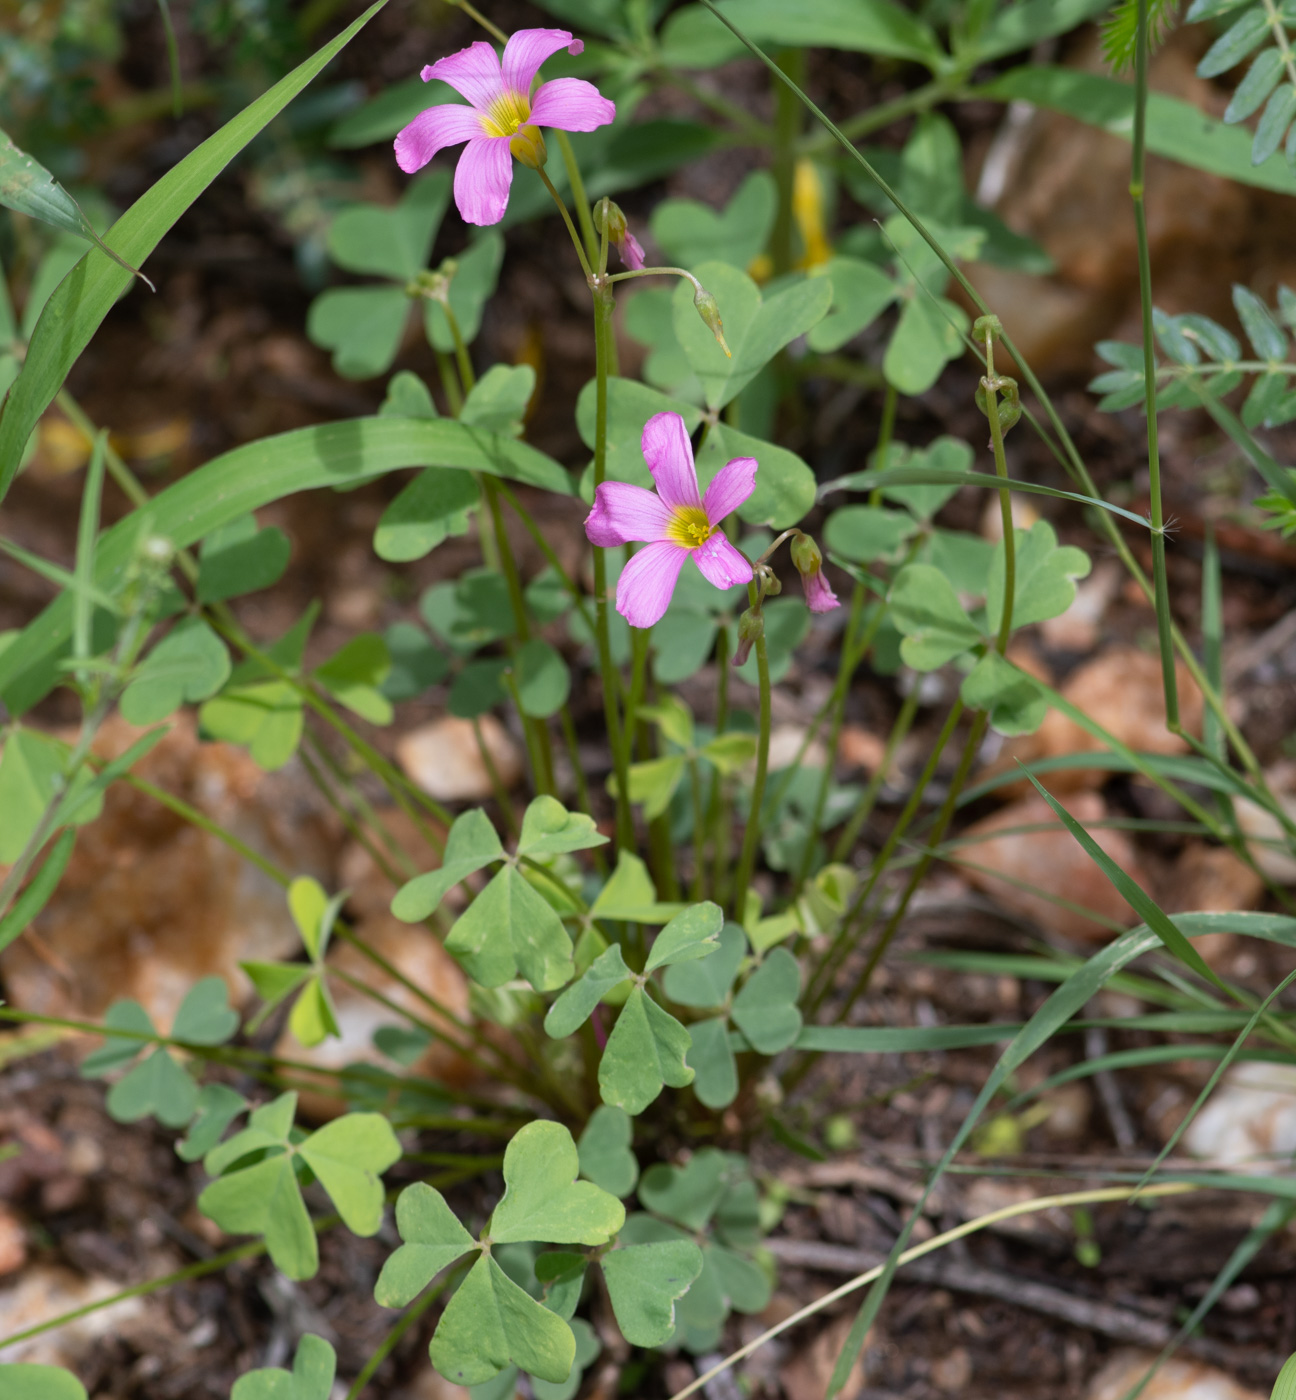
<point x="645" y="1281"/>
<point x="756" y="328"/>
<point x="230" y="486"/>
<point x="433" y="1240"/>
<point x="311" y="1377"/>
<point x="239" y="559"/>
<point x="471" y="844"/>
<point x="605" y="1152"/>
<point x="190" y="663"/>
<point x="25" y="185"/>
<point x="23" y="1381"/>
<point x="1046" y="574"/>
<point x="765" y="1009"/>
<point x="544" y="1201"/>
<point x="507" y="929"/>
<point x="1285" y="1385"/>
<point x="85" y="297"/>
<point x="927" y="610"/>
<point x="644" y="1052"/>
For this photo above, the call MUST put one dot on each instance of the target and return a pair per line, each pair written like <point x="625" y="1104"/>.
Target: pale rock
<point x="1178" y="1379"/>
<point x="443" y="758"/>
<point x="1052" y="862"/>
<point x="1120" y="690"/>
<point x="1214" y="880"/>
<point x="42" y="1293"/>
<point x="858" y="748"/>
<point x="806" y="1376"/>
<point x="1249" y="1120"/>
<point x="785" y="744"/>
<point x="1024" y="515"/>
<point x="952" y="1372"/>
<point x="417" y="954"/>
<point x="1080" y="627"/>
<point x="1270" y="846"/>
<point x="149" y="904"/>
<point x="13" y="1242"/>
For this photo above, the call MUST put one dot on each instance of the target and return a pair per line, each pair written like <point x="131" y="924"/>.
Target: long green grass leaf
<point x="43" y="884"/>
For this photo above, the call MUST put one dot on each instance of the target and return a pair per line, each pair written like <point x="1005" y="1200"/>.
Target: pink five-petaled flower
<point x="673" y="522"/>
<point x="501" y="109"/>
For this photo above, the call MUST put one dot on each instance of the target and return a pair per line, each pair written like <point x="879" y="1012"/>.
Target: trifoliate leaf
<point x="1046" y="574"/>
<point x="644" y="1283"/>
<point x="765" y="1010"/>
<point x="156" y="1087"/>
<point x="348" y="1157"/>
<point x="205" y="1016"/>
<point x="543" y="1200"/>
<point x="508" y="929"/>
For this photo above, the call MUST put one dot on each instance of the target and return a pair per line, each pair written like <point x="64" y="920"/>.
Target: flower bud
<point x="618" y="232"/>
<point x="710" y="313"/>
<point x="1008" y="407"/>
<point x="527" y="147"/>
<point x="808" y="558"/>
<point x="751" y="626"/>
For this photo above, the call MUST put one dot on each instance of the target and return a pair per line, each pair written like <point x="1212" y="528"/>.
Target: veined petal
<point x="819" y="594"/>
<point x="631" y="251"/>
<point x="669" y="454"/>
<point x="729" y="488"/>
<point x="647" y="582"/>
<point x="432" y="130"/>
<point x="720" y="562"/>
<point x="571" y="104"/>
<point x="482" y="180"/>
<point x="526" y="50"/>
<point x="473" y="72"/>
<point x="623" y="513"/>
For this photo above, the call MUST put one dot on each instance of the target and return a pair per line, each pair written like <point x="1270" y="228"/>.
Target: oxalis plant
<point x="630" y="986"/>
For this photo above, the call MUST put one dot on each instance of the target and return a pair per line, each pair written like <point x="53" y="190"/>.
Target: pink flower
<point x="501" y="110"/>
<point x="673" y="522"/>
<point x="808" y="558"/>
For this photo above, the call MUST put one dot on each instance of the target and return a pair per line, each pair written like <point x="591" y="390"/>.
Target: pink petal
<point x="473" y="72"/>
<point x="669" y="454"/>
<point x="432" y="130"/>
<point x="526" y="51"/>
<point x="647" y="582"/>
<point x="571" y="104"/>
<point x="631" y="250"/>
<point x="721" y="564"/>
<point x="729" y="488"/>
<point x="820" y="597"/>
<point x="482" y="180"/>
<point x="623" y="513"/>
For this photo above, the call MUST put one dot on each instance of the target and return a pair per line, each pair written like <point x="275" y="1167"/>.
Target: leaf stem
<point x="751" y="836"/>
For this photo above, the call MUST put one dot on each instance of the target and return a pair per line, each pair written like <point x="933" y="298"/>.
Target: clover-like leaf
<point x="31" y="776"/>
<point x="433" y="1240"/>
<point x="577" y="1003"/>
<point x="691" y="232"/>
<point x="866" y="534"/>
<point x="548" y="828"/>
<point x="756" y="328"/>
<point x="542" y="677"/>
<point x="239" y="558"/>
<point x="498" y="400"/>
<point x="644" y="1283"/>
<point x="946" y="454"/>
<point x="218" y="1106"/>
<point x="544" y="1201"/>
<point x="508" y="929"/>
<point x="861" y="293"/>
<point x="361" y="325"/>
<point x="605" y="1152"/>
<point x="708" y="981"/>
<point x="471" y="844"/>
<point x="311" y="1377"/>
<point x="653" y="783"/>
<point x="645" y="1051"/>
<point x="561" y="1272"/>
<point x="265" y="1199"/>
<point x="491" y="1322"/>
<point x="1014" y="702"/>
<point x="630" y="894"/>
<point x="24" y="1380"/>
<point x="715" y="1072"/>
<point x="205" y="1016"/>
<point x="156" y="1087"/>
<point x="927" y="610"/>
<point x="266" y="718"/>
<point x="391" y="242"/>
<point x="1046" y="574"/>
<point x="430" y="509"/>
<point x="354" y="677"/>
<point x="117" y="1051"/>
<point x="688" y="937"/>
<point x="348" y="1156"/>
<point x="189" y="663"/>
<point x="765" y="1010"/>
<point x="690" y="1194"/>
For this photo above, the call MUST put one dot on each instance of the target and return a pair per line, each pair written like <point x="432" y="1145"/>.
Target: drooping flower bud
<point x="808" y="558"/>
<point x="618" y="233"/>
<point x="710" y="313"/>
<point x="751" y="627"/>
<point x="527" y="147"/>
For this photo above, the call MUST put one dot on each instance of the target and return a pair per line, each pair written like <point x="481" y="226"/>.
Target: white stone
<point x="1178" y="1379"/>
<point x="1250" y="1118"/>
<point x="443" y="758"/>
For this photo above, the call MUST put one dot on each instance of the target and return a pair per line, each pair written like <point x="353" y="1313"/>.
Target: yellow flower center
<point x="690" y="527"/>
<point x="508" y="112"/>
